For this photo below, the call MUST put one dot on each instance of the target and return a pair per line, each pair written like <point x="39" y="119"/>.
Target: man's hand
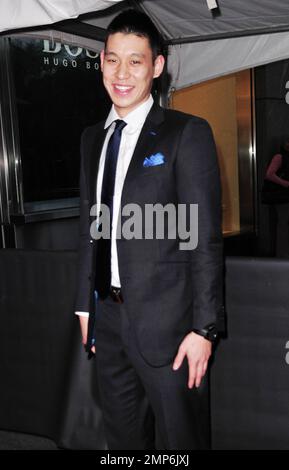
<point x="198" y="351"/>
<point x="84" y="327"/>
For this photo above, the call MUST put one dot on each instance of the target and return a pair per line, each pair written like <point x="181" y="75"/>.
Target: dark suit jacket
<point x="166" y="291"/>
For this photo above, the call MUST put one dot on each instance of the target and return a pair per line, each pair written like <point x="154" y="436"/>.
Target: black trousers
<point x="144" y="407"/>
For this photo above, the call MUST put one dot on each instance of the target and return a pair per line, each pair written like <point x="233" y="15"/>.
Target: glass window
<point x="59" y="92"/>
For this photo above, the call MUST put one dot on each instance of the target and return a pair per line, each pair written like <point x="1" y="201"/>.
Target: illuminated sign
<point x="62" y="55"/>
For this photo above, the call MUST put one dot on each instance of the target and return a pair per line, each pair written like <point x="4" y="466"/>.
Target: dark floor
<point x="17" y="441"/>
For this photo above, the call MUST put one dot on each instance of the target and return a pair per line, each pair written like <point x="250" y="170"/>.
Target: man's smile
<point x="122" y="90"/>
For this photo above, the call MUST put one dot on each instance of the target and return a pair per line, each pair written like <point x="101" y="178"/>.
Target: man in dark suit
<point x="154" y="306"/>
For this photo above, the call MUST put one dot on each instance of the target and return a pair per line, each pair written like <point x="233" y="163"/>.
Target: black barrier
<point x="48" y="387"/>
<point x="47" y="384"/>
<point x="250" y="375"/>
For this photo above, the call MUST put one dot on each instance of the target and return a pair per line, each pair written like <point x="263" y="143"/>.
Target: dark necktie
<point x="103" y="257"/>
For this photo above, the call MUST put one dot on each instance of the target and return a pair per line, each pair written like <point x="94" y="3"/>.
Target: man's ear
<point x="101" y="59"/>
<point x="159" y="65"/>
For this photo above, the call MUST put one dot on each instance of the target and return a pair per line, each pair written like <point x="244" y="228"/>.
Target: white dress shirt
<point x="130" y="134"/>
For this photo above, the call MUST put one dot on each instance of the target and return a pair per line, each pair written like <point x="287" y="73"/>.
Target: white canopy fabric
<point x="189" y="64"/>
<point x="204" y="45"/>
<point x="15" y="14"/>
<point x="192" y="19"/>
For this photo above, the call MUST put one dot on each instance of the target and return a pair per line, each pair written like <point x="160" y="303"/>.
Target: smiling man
<point x="128" y="70"/>
<point x="148" y="311"/>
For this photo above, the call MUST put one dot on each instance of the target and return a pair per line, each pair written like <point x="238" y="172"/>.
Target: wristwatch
<point x="209" y="332"/>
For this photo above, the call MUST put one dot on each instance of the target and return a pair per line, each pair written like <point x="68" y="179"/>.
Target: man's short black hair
<point x="138" y="23"/>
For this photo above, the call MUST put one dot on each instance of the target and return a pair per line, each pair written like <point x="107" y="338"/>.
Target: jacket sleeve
<point x="198" y="182"/>
<point x="85" y="246"/>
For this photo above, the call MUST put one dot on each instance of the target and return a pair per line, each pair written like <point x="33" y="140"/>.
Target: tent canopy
<point x="203" y="43"/>
<point x="178" y="20"/>
<point x="27" y="13"/>
<point x="191" y="20"/>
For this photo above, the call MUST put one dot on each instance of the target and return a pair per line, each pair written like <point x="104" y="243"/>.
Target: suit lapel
<point x="147" y="139"/>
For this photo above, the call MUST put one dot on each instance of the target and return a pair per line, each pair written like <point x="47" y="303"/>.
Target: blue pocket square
<point x="153" y="160"/>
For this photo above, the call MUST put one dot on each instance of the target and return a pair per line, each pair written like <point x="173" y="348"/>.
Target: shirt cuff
<point x="82" y="314"/>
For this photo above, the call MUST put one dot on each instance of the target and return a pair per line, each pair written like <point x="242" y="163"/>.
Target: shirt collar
<point x="134" y="119"/>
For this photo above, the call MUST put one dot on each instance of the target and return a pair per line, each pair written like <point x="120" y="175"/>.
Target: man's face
<point x="128" y="70"/>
